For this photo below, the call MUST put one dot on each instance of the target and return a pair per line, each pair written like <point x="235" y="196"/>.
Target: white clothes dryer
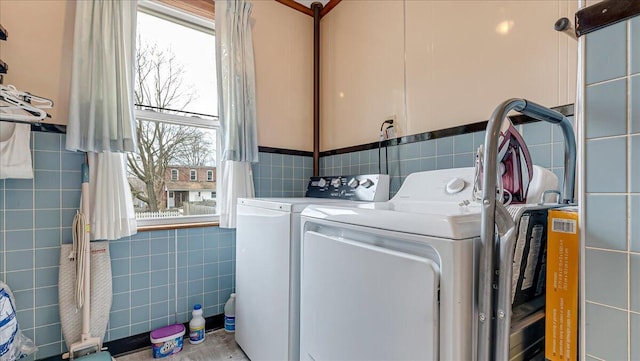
<point x="268" y="262"/>
<point x="393" y="280"/>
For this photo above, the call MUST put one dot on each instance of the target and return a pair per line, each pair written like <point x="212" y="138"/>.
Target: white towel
<point x="15" y="155"/>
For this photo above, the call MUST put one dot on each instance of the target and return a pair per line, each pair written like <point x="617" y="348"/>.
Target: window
<point x="209" y="176"/>
<point x="176" y="110"/>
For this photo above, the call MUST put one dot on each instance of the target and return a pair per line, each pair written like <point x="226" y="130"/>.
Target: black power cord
<point x="386" y="152"/>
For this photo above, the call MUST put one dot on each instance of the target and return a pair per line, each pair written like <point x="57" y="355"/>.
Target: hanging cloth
<point x="236" y="104"/>
<point x="236" y="184"/>
<point x="101" y="109"/>
<point x="112" y="216"/>
<point x="101" y="113"/>
<point x="15" y="155"/>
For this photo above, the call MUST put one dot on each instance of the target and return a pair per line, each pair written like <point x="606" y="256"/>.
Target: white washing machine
<point x="268" y="262"/>
<point x="393" y="280"/>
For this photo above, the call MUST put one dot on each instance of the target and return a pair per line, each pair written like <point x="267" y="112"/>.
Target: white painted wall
<point x="40" y="44"/>
<point x="457" y="67"/>
<point x="283" y="45"/>
<point x="39" y="50"/>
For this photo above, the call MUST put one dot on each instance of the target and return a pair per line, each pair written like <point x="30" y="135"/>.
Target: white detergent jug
<point x="196" y="325"/>
<point x="230" y="314"/>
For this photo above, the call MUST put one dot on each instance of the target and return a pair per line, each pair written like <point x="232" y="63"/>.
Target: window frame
<point x="201" y="24"/>
<point x="193" y="175"/>
<point x="177" y="177"/>
<point x="209" y="175"/>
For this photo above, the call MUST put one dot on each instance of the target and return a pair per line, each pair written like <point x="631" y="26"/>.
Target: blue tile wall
<point x="634" y="282"/>
<point x="157" y="276"/>
<point x="603" y="231"/>
<point x="544" y="140"/>
<point x="606" y="101"/>
<point x="635" y="226"/>
<point x="606" y="59"/>
<point x="635" y="45"/>
<point x="610" y="342"/>
<point x="281" y="175"/>
<point x="606" y="279"/>
<point x="606" y="164"/>
<point x="635" y="335"/>
<point x="634" y="93"/>
<point x="612" y="210"/>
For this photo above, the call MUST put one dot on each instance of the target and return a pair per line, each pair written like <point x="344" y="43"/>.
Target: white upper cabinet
<point x="438" y="64"/>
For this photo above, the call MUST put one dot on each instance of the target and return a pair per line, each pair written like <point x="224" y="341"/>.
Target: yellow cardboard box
<point x="563" y="269"/>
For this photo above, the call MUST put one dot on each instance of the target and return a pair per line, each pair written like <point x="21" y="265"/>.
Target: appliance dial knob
<point x="353" y="183"/>
<point x="336" y="182"/>
<point x="322" y="182"/>
<point x="367" y="183"/>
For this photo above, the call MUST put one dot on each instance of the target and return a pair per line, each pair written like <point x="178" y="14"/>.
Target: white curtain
<point x="101" y="109"/>
<point x="112" y="216"/>
<point x="237" y="182"/>
<point x="101" y="114"/>
<point x="236" y="104"/>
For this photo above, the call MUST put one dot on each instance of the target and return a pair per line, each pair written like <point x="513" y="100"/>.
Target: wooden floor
<point x="218" y="345"/>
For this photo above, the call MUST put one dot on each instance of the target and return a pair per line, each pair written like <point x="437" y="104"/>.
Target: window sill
<point x="164" y="227"/>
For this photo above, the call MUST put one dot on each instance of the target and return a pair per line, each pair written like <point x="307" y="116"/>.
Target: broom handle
<point x="86" y="308"/>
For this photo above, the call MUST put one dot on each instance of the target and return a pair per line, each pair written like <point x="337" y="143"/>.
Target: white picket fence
<point x="152" y="215"/>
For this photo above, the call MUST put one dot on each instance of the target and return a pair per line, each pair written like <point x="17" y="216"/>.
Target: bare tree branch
<point x="159" y="84"/>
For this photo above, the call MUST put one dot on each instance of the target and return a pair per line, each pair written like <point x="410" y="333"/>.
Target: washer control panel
<point x="368" y="187"/>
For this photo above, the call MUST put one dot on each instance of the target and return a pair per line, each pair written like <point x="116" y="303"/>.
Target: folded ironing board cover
<point x="13" y="344"/>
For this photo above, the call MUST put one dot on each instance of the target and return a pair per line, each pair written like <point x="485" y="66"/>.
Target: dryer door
<point x="363" y="302"/>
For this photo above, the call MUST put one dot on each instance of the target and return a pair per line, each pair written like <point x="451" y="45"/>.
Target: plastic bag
<point x="13" y="344"/>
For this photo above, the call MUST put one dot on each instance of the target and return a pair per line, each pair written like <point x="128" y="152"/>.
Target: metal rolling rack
<point x="3" y="66"/>
<point x="498" y="231"/>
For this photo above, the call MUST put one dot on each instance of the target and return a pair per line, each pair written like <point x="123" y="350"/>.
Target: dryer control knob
<point x="367" y="183"/>
<point x="322" y="182"/>
<point x="353" y="183"/>
<point x="455" y="185"/>
<point x="336" y="182"/>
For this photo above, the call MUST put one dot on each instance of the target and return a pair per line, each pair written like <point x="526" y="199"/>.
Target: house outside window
<point x="209" y="176"/>
<point x="176" y="111"/>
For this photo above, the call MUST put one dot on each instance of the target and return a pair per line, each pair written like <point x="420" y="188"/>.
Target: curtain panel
<point x="236" y="104"/>
<point x="101" y="110"/>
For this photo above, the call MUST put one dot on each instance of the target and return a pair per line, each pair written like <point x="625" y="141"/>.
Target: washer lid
<point x="429" y="218"/>
<point x="294" y="205"/>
